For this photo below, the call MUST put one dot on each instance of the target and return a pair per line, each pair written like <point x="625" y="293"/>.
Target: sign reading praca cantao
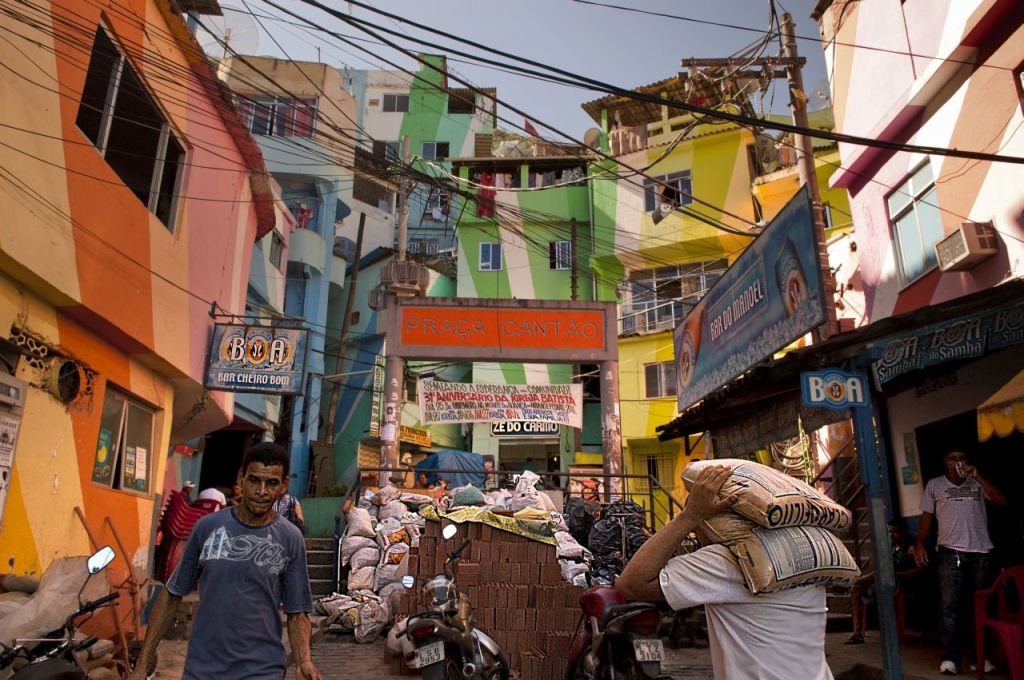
<point x="770" y="296"/>
<point x="261" y="359"/>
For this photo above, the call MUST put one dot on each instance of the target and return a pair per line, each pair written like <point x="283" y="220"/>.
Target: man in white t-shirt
<point x="957" y="502"/>
<point x="770" y="636"/>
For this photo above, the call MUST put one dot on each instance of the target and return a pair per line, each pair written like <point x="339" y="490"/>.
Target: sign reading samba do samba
<point x="770" y="296"/>
<point x="261" y="359"/>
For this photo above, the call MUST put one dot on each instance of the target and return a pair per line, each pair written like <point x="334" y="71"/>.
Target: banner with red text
<point x="448" y="402"/>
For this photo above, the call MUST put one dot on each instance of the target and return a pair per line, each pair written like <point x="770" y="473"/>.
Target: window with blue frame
<point x="916" y="223"/>
<point x="490" y="256"/>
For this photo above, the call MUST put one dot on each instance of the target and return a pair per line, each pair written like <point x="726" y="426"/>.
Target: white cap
<point x="213" y="494"/>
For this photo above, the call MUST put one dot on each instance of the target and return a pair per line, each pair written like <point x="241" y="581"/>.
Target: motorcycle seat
<point x="615" y="611"/>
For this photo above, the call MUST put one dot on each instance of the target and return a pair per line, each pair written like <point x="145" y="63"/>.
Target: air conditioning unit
<point x="968" y="245"/>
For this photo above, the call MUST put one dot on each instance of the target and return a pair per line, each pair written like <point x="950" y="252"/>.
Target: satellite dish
<point x="592" y="138"/>
<point x="234" y="32"/>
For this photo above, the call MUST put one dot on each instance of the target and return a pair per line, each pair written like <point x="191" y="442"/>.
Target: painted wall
<point x="88" y="269"/>
<point x="937" y="102"/>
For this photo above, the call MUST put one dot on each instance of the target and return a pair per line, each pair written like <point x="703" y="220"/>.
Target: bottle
<point x="789" y="276"/>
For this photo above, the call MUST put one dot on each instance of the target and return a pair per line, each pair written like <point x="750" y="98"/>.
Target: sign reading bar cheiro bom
<point x="446" y="402"/>
<point x="260" y="359"/>
<point x="770" y="296"/>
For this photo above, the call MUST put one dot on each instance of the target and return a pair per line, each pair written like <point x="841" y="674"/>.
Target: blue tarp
<point x="450" y="459"/>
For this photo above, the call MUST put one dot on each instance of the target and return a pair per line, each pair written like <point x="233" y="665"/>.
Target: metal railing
<point x="844" y="486"/>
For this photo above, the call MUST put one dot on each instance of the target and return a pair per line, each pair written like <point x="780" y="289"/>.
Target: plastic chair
<point x="1008" y="622"/>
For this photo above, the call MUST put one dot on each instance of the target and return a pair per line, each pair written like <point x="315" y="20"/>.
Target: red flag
<point x="530" y="130"/>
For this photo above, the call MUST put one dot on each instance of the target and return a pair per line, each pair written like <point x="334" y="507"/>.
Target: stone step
<point x="321" y="587"/>
<point x="320" y="571"/>
<point x="320" y="544"/>
<point x="319" y="557"/>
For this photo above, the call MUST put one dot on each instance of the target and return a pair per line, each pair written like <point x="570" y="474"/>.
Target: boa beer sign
<point x="834" y="389"/>
<point x="256" y="359"/>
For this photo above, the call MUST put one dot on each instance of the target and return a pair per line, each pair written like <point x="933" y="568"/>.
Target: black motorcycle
<point x="53" y="657"/>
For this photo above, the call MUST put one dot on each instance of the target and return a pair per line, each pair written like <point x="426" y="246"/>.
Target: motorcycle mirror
<point x="408" y="582"/>
<point x="100" y="559"/>
<point x="449" y="531"/>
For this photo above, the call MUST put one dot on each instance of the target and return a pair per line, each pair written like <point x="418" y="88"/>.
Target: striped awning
<point x="1003" y="412"/>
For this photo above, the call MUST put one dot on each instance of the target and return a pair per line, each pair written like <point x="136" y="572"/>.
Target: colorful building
<point x="930" y="228"/>
<point x="133" y="198"/>
<point x="302" y="117"/>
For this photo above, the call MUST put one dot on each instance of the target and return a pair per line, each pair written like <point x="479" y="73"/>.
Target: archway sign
<point x="531" y="331"/>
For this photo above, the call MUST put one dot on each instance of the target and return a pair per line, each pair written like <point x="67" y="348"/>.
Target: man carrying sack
<point x="754" y="634"/>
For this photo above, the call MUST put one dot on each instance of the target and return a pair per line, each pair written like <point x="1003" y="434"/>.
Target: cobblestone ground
<point x="339" y="658"/>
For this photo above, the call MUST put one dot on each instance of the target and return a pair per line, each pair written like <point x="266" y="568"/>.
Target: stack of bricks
<point x="516" y="588"/>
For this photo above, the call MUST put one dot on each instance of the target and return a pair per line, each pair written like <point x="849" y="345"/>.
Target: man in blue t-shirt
<point x="248" y="562"/>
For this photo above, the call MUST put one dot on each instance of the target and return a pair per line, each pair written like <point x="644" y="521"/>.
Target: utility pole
<point x="573" y="269"/>
<point x="332" y="409"/>
<point x="808" y="175"/>
<point x="394" y="367"/>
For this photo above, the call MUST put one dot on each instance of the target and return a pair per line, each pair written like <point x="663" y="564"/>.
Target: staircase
<point x="320" y="562"/>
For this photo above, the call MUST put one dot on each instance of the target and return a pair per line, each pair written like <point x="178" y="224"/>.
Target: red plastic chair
<point x="1007" y="624"/>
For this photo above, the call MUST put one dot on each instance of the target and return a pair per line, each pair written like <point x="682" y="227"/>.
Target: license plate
<point x="429" y="654"/>
<point x="649" y="650"/>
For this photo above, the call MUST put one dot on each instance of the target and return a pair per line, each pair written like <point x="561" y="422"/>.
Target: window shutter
<point x="304" y="111"/>
<point x="482" y="145"/>
<point x="553" y="255"/>
<point x="651" y="380"/>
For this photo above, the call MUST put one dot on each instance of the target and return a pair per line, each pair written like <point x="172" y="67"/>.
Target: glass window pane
<point x="651" y="380"/>
<point x="929" y="219"/>
<point x="134" y="137"/>
<point x="173" y="158"/>
<point x="650" y="196"/>
<point x="138" y="451"/>
<point x="669" y="378"/>
<point x="107" y="443"/>
<point x="102" y="61"/>
<point x="922" y="178"/>
<point x="899" y="199"/>
<point x="911" y="251"/>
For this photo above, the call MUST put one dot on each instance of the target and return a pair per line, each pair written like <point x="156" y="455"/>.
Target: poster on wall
<point x="259" y="359"/>
<point x="103" y="461"/>
<point x="588" y="488"/>
<point x="447" y="402"/>
<point x="770" y="296"/>
<point x="140" y="468"/>
<point x="9" y="425"/>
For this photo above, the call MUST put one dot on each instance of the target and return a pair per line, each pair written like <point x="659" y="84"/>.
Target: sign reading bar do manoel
<point x="260" y="359"/>
<point x="834" y="389"/>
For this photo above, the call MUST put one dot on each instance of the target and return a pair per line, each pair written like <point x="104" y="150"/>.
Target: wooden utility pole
<point x="403" y="210"/>
<point x="332" y="408"/>
<point x="808" y="174"/>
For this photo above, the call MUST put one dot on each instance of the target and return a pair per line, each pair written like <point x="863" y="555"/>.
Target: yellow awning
<point x="1003" y="412"/>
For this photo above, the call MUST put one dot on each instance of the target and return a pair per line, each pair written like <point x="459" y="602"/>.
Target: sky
<point x="624" y="48"/>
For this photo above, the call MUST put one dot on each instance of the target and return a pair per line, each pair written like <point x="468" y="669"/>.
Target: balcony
<point x="405" y="278"/>
<point x="309" y="248"/>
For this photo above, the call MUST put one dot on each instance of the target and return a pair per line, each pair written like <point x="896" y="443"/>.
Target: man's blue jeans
<point x="960" y="575"/>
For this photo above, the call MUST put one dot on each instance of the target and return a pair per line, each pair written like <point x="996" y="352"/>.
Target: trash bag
<point x="467" y="495"/>
<point x="579" y="518"/>
<point x="605" y="538"/>
<point x="569" y="548"/>
<point x="365" y="557"/>
<point x="396" y="509"/>
<point x="359" y="523"/>
<point x="526" y="494"/>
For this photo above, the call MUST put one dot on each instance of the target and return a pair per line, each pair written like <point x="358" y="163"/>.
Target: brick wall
<point x="517" y="592"/>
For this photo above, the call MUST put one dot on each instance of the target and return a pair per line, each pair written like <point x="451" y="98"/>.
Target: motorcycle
<point x="53" y="657"/>
<point x="615" y="639"/>
<point x="447" y="646"/>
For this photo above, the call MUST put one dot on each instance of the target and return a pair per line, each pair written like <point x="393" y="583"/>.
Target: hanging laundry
<point x="485" y="196"/>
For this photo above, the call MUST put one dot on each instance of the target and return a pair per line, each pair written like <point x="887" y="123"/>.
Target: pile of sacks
<point x="781" y="530"/>
<point x="380" y="531"/>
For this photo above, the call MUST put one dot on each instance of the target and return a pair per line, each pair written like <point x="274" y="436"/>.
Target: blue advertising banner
<point x="966" y="337"/>
<point x="770" y="296"/>
<point x="259" y="359"/>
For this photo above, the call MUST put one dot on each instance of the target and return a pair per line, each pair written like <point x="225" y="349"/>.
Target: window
<point x="660" y="379"/>
<point x="276" y="250"/>
<point x="826" y="211"/>
<point x="278" y="116"/>
<point x="658" y="299"/>
<point x="671" y="190"/>
<point x="435" y="150"/>
<point x="120" y="118"/>
<point x="560" y="255"/>
<point x="388" y="152"/>
<point x="367" y="167"/>
<point x="461" y="101"/>
<point x="916" y="223"/>
<point x="396" y="103"/>
<point x="490" y="257"/>
<point x="438" y="205"/>
<point x="124" y="449"/>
